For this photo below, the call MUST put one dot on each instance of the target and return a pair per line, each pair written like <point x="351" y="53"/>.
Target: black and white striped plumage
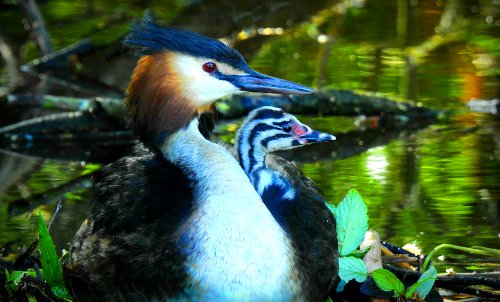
<point x="291" y="197"/>
<point x="265" y="130"/>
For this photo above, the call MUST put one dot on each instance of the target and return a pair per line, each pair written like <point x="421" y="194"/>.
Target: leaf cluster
<point x="51" y="272"/>
<point x="387" y="281"/>
<point x="351" y="216"/>
<point x="352" y="223"/>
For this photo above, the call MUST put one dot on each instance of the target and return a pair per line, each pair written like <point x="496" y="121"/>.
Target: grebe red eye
<point x="209" y="67"/>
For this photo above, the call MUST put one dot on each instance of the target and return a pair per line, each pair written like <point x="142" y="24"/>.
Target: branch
<point x="58" y="59"/>
<point x="325" y="102"/>
<point x="36" y="25"/>
<point x="10" y="65"/>
<point x="450" y="281"/>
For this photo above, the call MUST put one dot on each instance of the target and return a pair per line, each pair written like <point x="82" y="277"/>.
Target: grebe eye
<point x="209" y="67"/>
<point x="287" y="127"/>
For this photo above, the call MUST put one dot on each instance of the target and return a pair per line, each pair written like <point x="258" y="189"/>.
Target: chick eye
<point x="209" y="67"/>
<point x="287" y="127"/>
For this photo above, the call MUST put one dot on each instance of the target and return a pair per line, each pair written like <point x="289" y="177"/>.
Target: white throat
<point x="236" y="249"/>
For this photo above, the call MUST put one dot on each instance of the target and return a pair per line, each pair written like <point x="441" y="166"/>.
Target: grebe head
<point x="181" y="74"/>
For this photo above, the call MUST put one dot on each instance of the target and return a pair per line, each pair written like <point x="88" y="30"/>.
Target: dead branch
<point x="36" y="26"/>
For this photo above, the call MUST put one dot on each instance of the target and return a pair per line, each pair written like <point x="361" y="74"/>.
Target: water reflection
<point x="376" y="164"/>
<point x="435" y="186"/>
<point x="33" y="185"/>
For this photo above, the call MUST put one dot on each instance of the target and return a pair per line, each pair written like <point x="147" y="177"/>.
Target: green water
<point x="436" y="185"/>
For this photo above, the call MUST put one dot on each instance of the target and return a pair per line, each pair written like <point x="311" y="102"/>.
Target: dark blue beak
<point x="303" y="134"/>
<point x="314" y="136"/>
<point x="257" y="82"/>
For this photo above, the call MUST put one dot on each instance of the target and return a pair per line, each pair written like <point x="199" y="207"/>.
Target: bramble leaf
<point x="424" y="284"/>
<point x="352" y="268"/>
<point x="352" y="222"/>
<point x="387" y="281"/>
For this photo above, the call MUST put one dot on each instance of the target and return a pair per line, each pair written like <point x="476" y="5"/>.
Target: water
<point x="434" y="186"/>
<point x="440" y="184"/>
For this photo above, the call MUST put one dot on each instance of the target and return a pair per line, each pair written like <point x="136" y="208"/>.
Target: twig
<point x="56" y="211"/>
<point x="38" y="274"/>
<point x="393" y="259"/>
<point x="10" y="64"/>
<point x="36" y="25"/>
<point x="472" y="291"/>
<point x="387" y="252"/>
<point x="58" y="58"/>
<point x="396" y="249"/>
<point x="18" y="264"/>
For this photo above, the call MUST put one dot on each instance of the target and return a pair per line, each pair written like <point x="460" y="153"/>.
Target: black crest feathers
<point x="149" y="38"/>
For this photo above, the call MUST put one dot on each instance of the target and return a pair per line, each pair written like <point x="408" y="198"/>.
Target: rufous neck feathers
<point x="154" y="100"/>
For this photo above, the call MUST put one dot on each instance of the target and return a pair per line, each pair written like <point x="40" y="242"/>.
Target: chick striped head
<point x="271" y="129"/>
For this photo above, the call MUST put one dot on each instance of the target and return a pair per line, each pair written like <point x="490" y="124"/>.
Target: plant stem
<point x="476" y="250"/>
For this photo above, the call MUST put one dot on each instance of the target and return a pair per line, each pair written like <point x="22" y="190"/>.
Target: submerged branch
<point x="456" y="282"/>
<point x="103" y="121"/>
<point x="64" y="125"/>
<point x="325" y="102"/>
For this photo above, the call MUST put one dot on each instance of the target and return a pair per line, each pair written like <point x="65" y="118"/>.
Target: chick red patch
<point x="298" y="130"/>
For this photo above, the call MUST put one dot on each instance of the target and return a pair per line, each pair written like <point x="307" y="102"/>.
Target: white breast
<point x="236" y="250"/>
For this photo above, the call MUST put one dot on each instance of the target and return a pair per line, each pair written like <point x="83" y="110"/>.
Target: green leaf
<point x="16" y="276"/>
<point x="387" y="281"/>
<point x="52" y="271"/>
<point x="352" y="222"/>
<point x="424" y="283"/>
<point x="359" y="253"/>
<point x="352" y="268"/>
<point x="13" y="279"/>
<point x="329" y="300"/>
<point x="90" y="168"/>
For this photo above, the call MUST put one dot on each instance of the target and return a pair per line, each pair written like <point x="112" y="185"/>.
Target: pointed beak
<point x="257" y="82"/>
<point x="307" y="135"/>
<point x="314" y="136"/>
